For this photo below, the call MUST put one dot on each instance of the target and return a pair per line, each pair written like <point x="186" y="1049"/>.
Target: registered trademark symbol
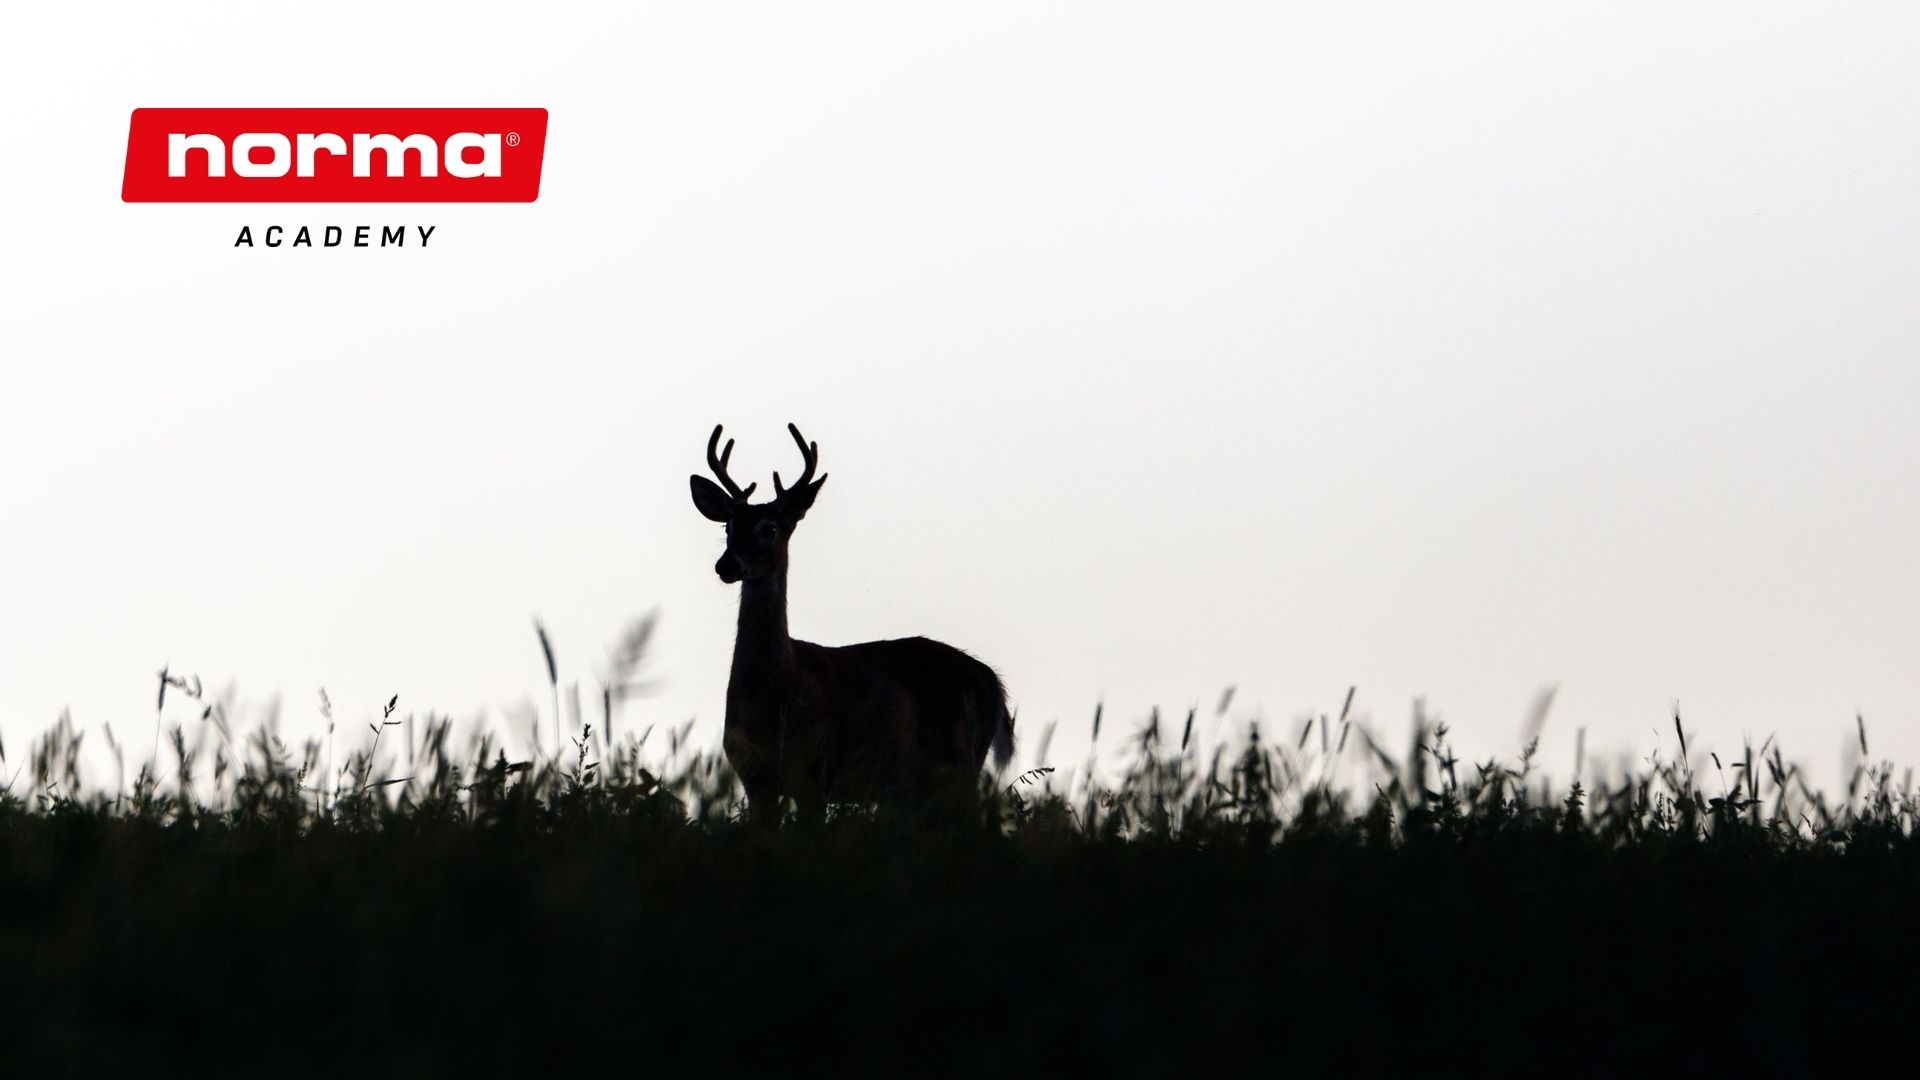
<point x="513" y="138"/>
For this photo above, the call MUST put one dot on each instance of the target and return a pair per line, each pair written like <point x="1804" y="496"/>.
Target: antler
<point x="718" y="463"/>
<point x="809" y="453"/>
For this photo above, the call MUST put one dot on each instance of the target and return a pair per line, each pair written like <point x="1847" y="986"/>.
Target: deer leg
<point x="763" y="802"/>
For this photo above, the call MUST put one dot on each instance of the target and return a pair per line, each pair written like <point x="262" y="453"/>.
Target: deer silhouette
<point x="899" y="720"/>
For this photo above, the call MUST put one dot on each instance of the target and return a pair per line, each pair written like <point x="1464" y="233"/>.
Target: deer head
<point x="756" y="535"/>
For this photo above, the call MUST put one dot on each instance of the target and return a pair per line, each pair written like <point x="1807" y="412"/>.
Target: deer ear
<point x="794" y="504"/>
<point x="710" y="500"/>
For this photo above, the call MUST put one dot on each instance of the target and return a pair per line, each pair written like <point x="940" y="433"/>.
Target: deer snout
<point x="728" y="568"/>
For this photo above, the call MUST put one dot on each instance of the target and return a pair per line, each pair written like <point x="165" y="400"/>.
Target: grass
<point x="1310" y="904"/>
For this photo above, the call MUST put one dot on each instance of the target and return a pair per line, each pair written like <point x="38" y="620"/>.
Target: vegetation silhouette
<point x="1307" y="904"/>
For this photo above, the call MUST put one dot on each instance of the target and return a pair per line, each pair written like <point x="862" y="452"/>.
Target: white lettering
<point x="245" y="145"/>
<point x="489" y="147"/>
<point x="312" y="144"/>
<point x="395" y="150"/>
<point x="178" y="145"/>
<point x="300" y="153"/>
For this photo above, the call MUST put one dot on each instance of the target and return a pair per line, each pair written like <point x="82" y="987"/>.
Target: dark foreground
<point x="507" y="924"/>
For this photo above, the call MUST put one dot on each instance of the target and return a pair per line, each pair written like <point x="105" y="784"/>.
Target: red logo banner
<point x="334" y="155"/>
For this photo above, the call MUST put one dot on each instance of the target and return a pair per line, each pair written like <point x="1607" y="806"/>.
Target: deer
<point x="895" y="721"/>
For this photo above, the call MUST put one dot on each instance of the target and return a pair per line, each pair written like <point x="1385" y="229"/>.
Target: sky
<point x="1448" y="352"/>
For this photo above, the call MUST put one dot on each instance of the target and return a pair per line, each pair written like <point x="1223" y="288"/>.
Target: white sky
<point x="1445" y="350"/>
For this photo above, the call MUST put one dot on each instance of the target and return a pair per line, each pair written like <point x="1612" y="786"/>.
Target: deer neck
<point x="762" y="651"/>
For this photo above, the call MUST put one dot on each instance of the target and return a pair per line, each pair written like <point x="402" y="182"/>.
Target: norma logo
<point x="334" y="155"/>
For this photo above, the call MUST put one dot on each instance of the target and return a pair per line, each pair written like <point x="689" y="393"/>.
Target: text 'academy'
<point x="333" y="236"/>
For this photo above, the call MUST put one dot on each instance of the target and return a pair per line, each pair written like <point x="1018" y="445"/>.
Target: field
<point x="248" y="909"/>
